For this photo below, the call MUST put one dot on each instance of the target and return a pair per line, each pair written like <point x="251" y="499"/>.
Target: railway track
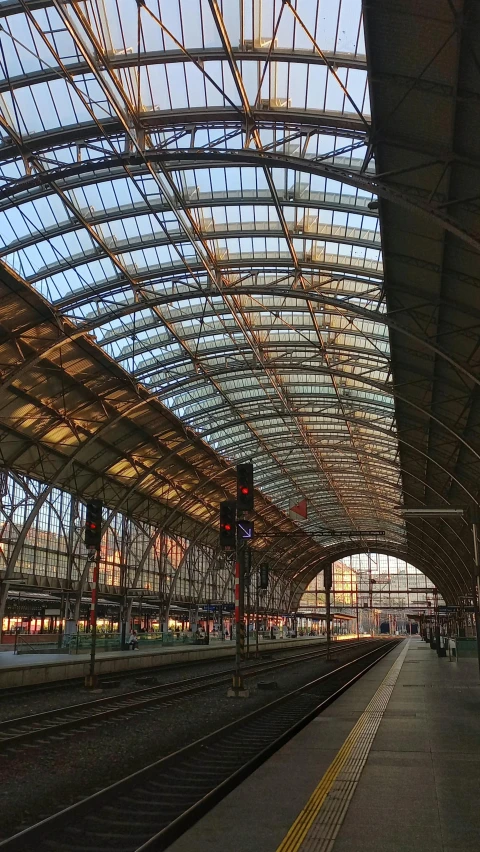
<point x="154" y="806"/>
<point x="128" y="674"/>
<point x="15" y="732"/>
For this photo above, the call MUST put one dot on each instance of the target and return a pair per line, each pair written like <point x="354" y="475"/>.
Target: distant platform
<point x="392" y="766"/>
<point x="31" y="669"/>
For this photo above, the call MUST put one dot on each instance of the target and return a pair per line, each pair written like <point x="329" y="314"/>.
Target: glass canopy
<point x="183" y="179"/>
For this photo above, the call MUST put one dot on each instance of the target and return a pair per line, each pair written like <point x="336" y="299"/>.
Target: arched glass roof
<point x="188" y="181"/>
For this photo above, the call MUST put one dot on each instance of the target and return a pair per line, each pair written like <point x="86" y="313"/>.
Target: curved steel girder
<point x="189" y="497"/>
<point x="419" y="410"/>
<point x="383" y="547"/>
<point x="244" y="229"/>
<point x="282" y="338"/>
<point x="190" y="390"/>
<point x="300" y="403"/>
<point x="148" y="277"/>
<point x="344" y="306"/>
<point x="357" y="474"/>
<point x="450" y="576"/>
<point x="198" y="420"/>
<point x="410" y="554"/>
<point x="471" y="495"/>
<point x="180" y="288"/>
<point x="220" y="310"/>
<point x="181" y="367"/>
<point x="412" y="199"/>
<point x="253" y="307"/>
<point x="266" y="467"/>
<point x="170" y="57"/>
<point x="346" y="124"/>
<point x="66" y="463"/>
<point x="417" y="558"/>
<point x="315" y="199"/>
<point x="248" y="447"/>
<point x="159" y="240"/>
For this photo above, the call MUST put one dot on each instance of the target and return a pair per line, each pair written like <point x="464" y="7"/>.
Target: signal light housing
<point x="245" y="495"/>
<point x="228" y="517"/>
<point x="264" y="569"/>
<point x="93" y="524"/>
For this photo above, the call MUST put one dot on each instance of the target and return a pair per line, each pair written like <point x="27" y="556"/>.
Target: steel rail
<point x="148" y="809"/>
<point x="37" y="688"/>
<point x="16" y="731"/>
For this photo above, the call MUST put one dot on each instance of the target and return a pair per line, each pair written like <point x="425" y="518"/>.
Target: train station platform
<point x="392" y="766"/>
<point x="31" y="669"/>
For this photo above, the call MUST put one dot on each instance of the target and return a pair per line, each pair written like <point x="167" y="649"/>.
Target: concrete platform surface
<point x="31" y="669"/>
<point x="416" y="786"/>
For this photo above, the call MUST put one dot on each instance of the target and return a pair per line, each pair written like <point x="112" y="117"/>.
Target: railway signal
<point x="93" y="524"/>
<point x="264" y="569"/>
<point x="245" y="495"/>
<point x="228" y="521"/>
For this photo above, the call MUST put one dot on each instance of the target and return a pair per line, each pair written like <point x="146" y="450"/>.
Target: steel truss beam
<point x="171" y="57"/>
<point x="251" y="289"/>
<point x="226" y="118"/>
<point x="204" y="201"/>
<point x="413" y="199"/>
<point x="158" y="240"/>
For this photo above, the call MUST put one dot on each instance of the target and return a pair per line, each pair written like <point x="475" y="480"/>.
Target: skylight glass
<point x="187" y="180"/>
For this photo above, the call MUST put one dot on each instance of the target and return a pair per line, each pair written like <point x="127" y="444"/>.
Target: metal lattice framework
<point x="194" y="186"/>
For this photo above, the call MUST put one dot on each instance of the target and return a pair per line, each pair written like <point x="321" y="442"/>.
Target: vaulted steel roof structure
<point x="196" y="188"/>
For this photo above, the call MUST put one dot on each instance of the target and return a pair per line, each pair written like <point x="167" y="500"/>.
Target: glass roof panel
<point x="188" y="181"/>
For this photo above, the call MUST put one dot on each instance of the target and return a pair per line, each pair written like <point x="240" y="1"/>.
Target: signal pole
<point x="248" y="578"/>
<point x="93" y="538"/>
<point x="238" y="686"/>
<point x="237" y="538"/>
<point x="257" y="611"/>
<point x="91" y="681"/>
<point x="327" y="582"/>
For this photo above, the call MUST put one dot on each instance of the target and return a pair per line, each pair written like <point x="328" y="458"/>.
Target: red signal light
<point x="227" y="527"/>
<point x="244" y="490"/>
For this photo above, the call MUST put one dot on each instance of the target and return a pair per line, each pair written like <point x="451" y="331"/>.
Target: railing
<point x="41" y="644"/>
<point x="80" y="643"/>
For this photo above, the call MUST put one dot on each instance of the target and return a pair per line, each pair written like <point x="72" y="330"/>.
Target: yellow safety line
<point x="307" y="816"/>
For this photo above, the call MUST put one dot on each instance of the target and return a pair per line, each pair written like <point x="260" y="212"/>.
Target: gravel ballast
<point x="15" y="704"/>
<point x="40" y="779"/>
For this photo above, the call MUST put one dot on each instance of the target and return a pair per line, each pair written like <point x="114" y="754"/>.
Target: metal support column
<point x="238" y="685"/>
<point x="327" y="582"/>
<point x="356" y="607"/>
<point x="248" y="580"/>
<point x="476" y="588"/>
<point x="91" y="679"/>
<point x="257" y="610"/>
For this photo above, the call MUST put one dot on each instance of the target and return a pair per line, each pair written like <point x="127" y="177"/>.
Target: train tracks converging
<point x="149" y="809"/>
<point x="15" y="732"/>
